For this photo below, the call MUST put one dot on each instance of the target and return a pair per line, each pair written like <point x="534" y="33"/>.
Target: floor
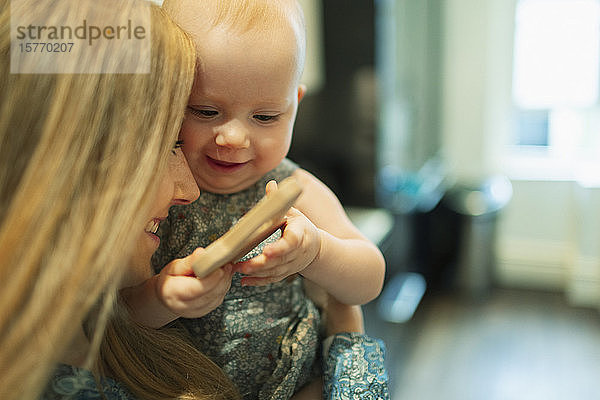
<point x="515" y="345"/>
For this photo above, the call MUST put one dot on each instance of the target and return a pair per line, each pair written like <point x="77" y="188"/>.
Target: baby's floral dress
<point x="265" y="338"/>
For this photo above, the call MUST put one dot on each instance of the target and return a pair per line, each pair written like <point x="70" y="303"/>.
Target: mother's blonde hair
<point x="80" y="157"/>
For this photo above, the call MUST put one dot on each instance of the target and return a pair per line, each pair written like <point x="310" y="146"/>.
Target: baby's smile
<point x="225" y="166"/>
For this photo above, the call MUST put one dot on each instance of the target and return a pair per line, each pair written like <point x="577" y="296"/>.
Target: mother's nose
<point x="186" y="190"/>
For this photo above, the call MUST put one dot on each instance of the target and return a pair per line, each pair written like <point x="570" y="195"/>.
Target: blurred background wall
<point x="409" y="101"/>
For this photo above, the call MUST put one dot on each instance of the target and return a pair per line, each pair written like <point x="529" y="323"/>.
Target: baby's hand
<point x="176" y="292"/>
<point x="183" y="294"/>
<point x="297" y="248"/>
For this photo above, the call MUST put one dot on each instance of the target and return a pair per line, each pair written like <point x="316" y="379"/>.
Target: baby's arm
<point x="341" y="318"/>
<point x="321" y="244"/>
<point x="175" y="292"/>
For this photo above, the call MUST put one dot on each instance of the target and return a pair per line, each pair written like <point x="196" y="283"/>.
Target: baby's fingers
<point x="279" y="248"/>
<point x="290" y="240"/>
<point x="271" y="187"/>
<point x="254" y="264"/>
<point x="188" y="288"/>
<point x="183" y="266"/>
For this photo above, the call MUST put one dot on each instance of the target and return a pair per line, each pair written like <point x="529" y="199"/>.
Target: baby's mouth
<point x="225" y="164"/>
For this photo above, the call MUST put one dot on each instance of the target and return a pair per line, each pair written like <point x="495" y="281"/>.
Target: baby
<point x="260" y="327"/>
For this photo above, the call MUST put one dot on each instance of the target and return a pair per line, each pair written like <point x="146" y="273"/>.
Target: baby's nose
<point x="233" y="134"/>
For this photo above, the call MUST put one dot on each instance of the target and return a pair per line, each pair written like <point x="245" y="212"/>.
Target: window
<point x="556" y="75"/>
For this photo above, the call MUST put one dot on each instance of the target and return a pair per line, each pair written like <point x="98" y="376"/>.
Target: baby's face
<point x="241" y="111"/>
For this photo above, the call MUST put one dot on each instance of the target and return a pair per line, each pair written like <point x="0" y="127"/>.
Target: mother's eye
<point x="178" y="145"/>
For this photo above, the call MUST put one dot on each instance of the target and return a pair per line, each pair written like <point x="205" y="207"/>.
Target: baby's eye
<point x="203" y="113"/>
<point x="265" y="118"/>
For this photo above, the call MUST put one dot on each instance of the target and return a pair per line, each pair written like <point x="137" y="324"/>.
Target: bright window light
<point x="557" y="53"/>
<point x="556" y="80"/>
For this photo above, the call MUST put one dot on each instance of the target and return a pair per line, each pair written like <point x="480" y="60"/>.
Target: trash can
<point x="478" y="207"/>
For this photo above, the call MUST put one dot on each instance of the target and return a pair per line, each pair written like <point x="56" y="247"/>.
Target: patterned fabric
<point x="354" y="369"/>
<point x="72" y="383"/>
<point x="265" y="338"/>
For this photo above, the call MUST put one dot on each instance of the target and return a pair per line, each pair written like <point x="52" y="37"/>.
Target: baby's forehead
<point x="242" y="15"/>
<point x="263" y="19"/>
<point x="273" y="74"/>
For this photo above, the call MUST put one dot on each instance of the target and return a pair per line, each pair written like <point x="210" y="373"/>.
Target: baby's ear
<point x="301" y="91"/>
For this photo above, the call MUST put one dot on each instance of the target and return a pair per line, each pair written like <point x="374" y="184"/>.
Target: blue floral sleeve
<point x="72" y="383"/>
<point x="354" y="369"/>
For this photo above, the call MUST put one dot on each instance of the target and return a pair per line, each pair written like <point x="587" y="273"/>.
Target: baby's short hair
<point x="247" y="15"/>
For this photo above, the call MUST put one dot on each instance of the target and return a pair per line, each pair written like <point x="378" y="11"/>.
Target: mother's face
<point x="176" y="186"/>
